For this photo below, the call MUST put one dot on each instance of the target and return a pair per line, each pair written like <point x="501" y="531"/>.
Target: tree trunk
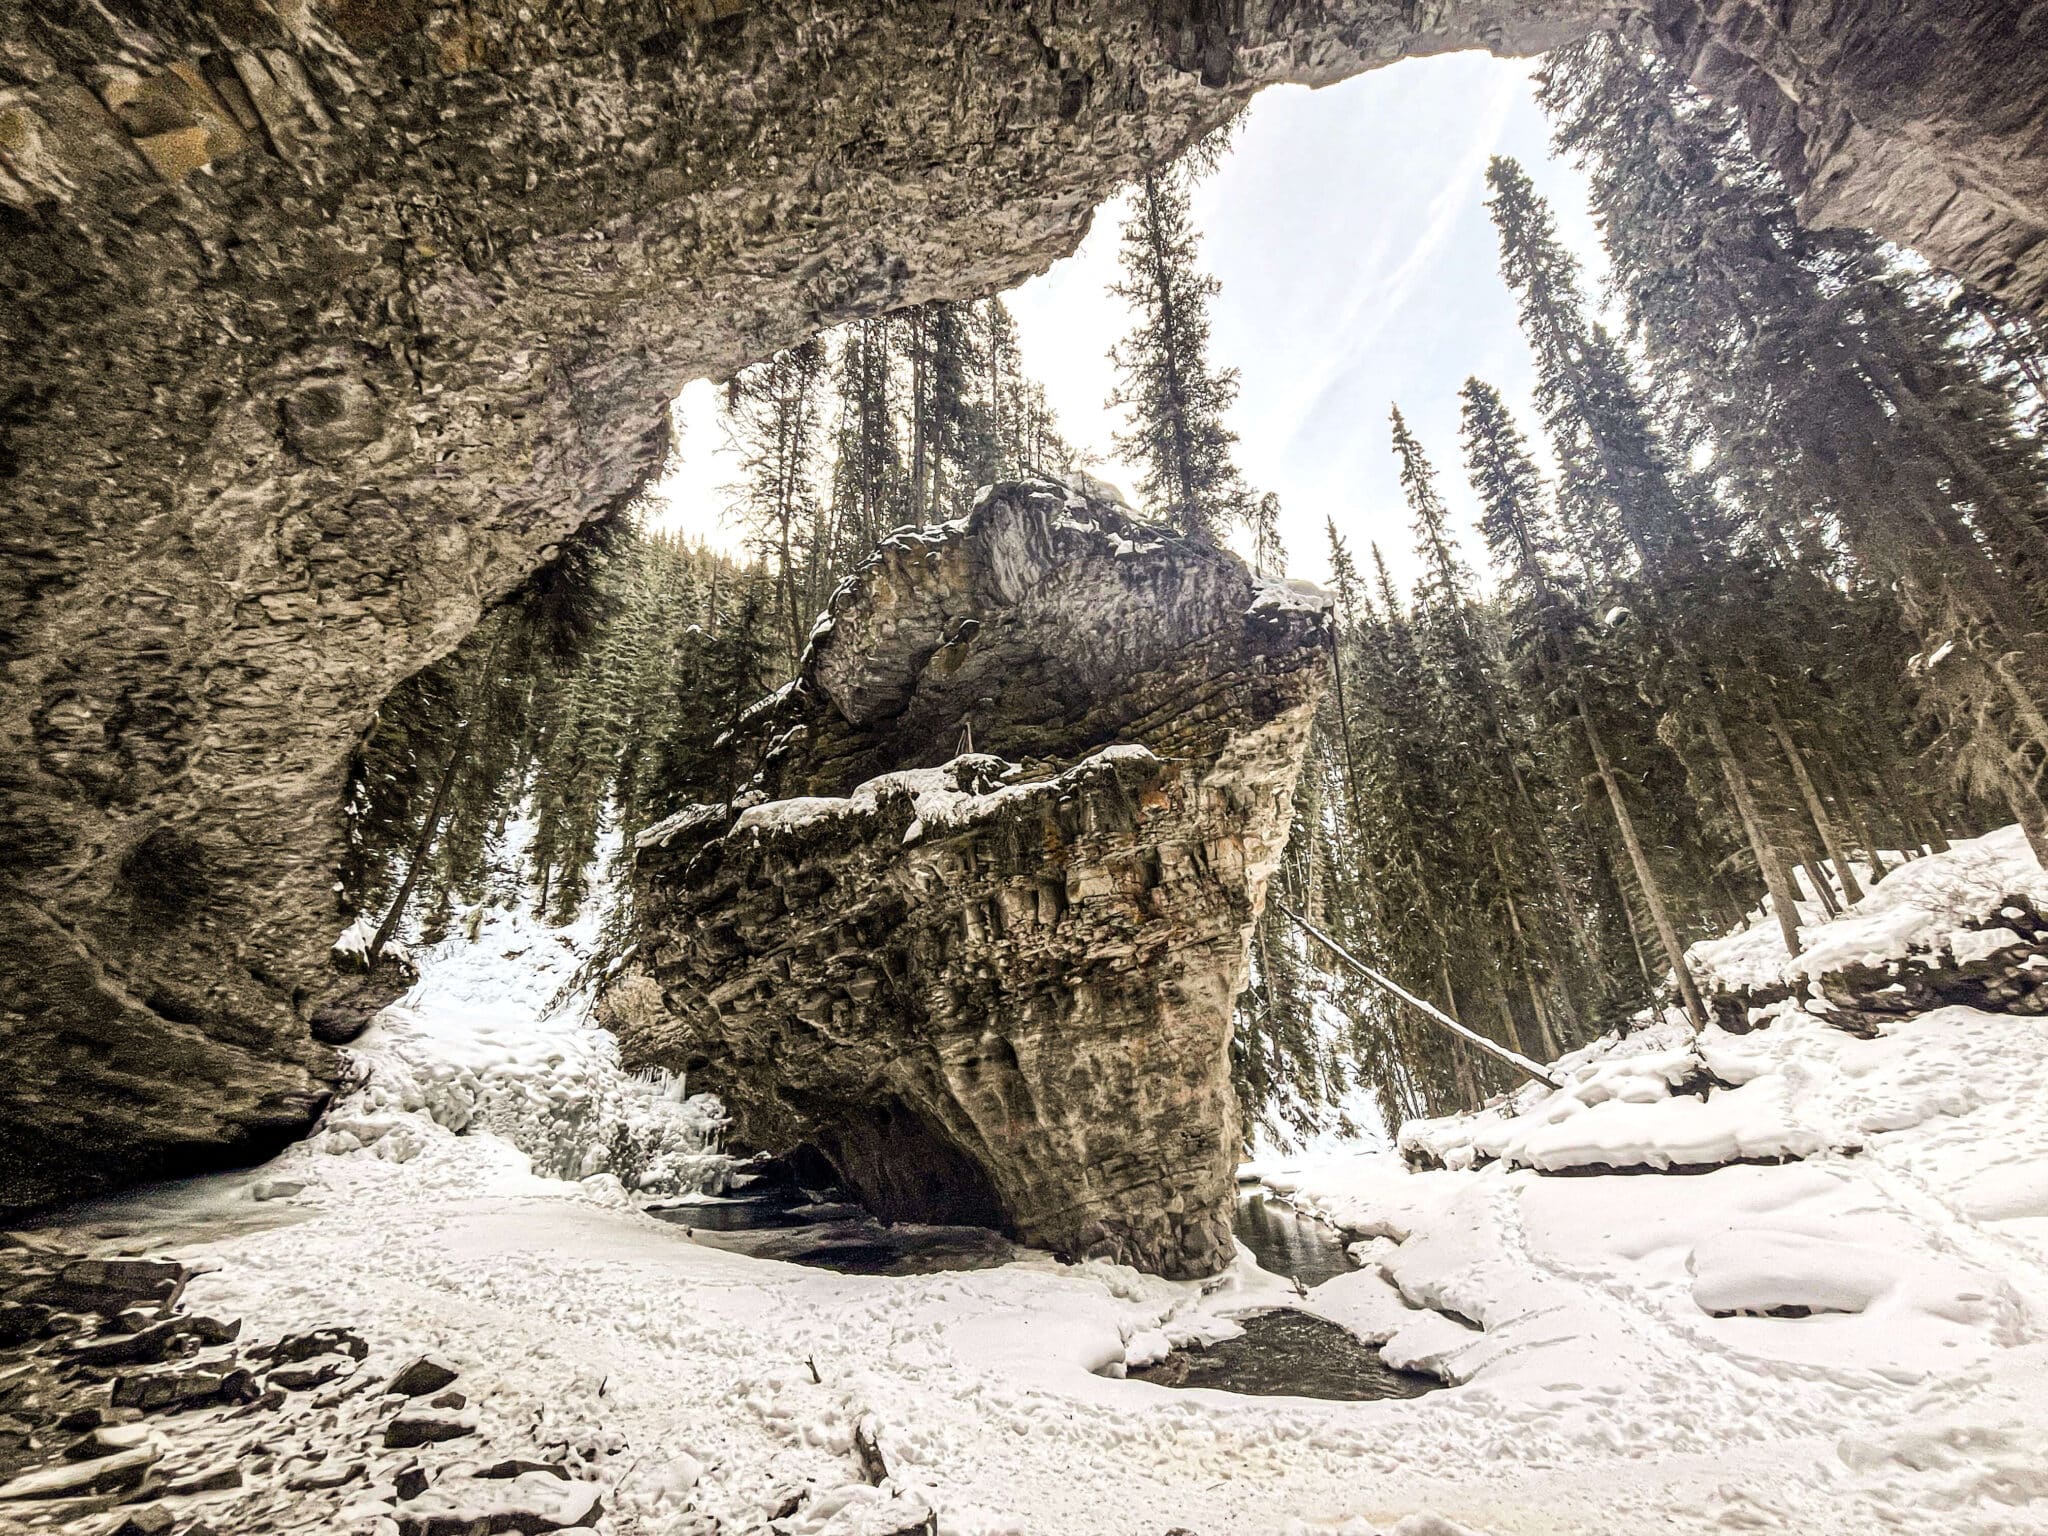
<point x="1816" y="808"/>
<point x="1817" y="877"/>
<point x="424" y="842"/>
<point x="1572" y="914"/>
<point x="2026" y="810"/>
<point x="1470" y="1096"/>
<point x="1528" y="966"/>
<point x="920" y="417"/>
<point x="1653" y="898"/>
<point x="1635" y="938"/>
<point x="1510" y="1026"/>
<point x="1777" y="879"/>
<point x="1859" y="821"/>
<point x="1344" y="732"/>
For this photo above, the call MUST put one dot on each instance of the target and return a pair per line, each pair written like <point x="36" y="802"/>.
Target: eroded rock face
<point x="996" y="986"/>
<point x="1919" y="119"/>
<point x="321" y="325"/>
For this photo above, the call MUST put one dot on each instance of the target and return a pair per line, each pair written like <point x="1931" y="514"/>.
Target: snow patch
<point x="480" y="1045"/>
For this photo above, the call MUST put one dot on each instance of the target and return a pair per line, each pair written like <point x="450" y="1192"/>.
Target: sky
<point x="1358" y="270"/>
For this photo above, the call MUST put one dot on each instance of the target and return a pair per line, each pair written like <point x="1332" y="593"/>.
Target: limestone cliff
<point x="322" y="323"/>
<point x="1919" y="119"/>
<point x="987" y="989"/>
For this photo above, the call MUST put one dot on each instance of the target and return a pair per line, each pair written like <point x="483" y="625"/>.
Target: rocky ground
<point x="123" y="1410"/>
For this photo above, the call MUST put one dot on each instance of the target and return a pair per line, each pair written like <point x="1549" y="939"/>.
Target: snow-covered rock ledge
<point x="1806" y="1048"/>
<point x="1966" y="927"/>
<point x="975" y="926"/>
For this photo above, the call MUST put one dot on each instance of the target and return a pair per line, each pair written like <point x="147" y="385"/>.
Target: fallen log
<point x="1499" y="1052"/>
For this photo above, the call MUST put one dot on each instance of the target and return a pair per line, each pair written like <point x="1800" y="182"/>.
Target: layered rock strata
<point x="996" y="986"/>
<point x="1924" y="120"/>
<point x="321" y="325"/>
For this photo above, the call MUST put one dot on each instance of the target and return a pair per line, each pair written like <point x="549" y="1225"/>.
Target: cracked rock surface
<point x="996" y="986"/>
<point x="322" y="324"/>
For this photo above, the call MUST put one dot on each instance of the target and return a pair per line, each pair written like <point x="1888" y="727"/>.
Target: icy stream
<point x="1279" y="1353"/>
<point x="1287" y="1243"/>
<point x="1285" y="1353"/>
<point x="786" y="1224"/>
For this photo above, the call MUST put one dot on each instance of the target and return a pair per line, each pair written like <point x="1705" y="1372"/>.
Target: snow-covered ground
<point x="1930" y="905"/>
<point x="1618" y="1366"/>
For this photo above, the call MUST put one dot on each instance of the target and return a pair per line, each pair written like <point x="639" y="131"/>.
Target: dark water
<point x="790" y="1226"/>
<point x="1285" y="1353"/>
<point x="1285" y="1242"/>
<point x="1288" y="1354"/>
<point x="1281" y="1353"/>
<point x="804" y="1227"/>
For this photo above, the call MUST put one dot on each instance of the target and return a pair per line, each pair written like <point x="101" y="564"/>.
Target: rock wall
<point x="992" y="990"/>
<point x="1921" y="119"/>
<point x="321" y="324"/>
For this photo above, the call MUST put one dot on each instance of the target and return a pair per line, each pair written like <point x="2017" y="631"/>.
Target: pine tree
<point x="433" y="783"/>
<point x="1618" y="486"/>
<point x="1520" y="532"/>
<point x="870" y="488"/>
<point x="1843" y="407"/>
<point x="774" y="415"/>
<point x="1487" y="740"/>
<point x="953" y="446"/>
<point x="1173" y="399"/>
<point x="1269" y="555"/>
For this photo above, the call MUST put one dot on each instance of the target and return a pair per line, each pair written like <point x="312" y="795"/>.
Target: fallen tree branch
<point x="1515" y="1059"/>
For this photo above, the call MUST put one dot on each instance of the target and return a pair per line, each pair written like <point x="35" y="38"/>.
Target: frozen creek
<point x="1282" y="1352"/>
<point x="1611" y="1337"/>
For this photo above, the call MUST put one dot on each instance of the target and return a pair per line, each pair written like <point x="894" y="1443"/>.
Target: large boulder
<point x="995" y="985"/>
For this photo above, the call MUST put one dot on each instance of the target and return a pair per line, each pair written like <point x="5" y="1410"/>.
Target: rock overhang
<point x="324" y="321"/>
<point x="1014" y="978"/>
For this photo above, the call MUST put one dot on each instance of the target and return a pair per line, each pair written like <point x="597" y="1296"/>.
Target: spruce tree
<point x="1173" y="399"/>
<point x="1501" y="795"/>
<point x="1619" y="489"/>
<point x="1844" y="408"/>
<point x="953" y="447"/>
<point x="870" y="488"/>
<point x="1269" y="554"/>
<point x="1519" y="529"/>
<point x="774" y="414"/>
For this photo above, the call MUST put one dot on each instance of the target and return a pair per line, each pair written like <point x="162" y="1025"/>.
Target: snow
<point x="1972" y="945"/>
<point x="1918" y="908"/>
<point x="1277" y="599"/>
<point x="966" y="789"/>
<point x="769" y="703"/>
<point x="485" y="1041"/>
<point x="1618" y="1366"/>
<point x="1765" y="1272"/>
<point x="1095" y="488"/>
<point x="540" y="1497"/>
<point x="353" y="944"/>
